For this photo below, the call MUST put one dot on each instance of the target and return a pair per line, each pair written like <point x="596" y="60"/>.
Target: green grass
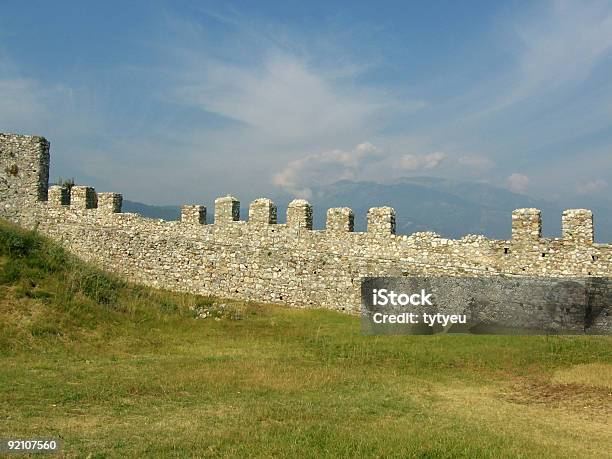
<point x="117" y="370"/>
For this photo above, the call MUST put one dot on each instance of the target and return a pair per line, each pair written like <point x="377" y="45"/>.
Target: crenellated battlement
<point x="59" y="195"/>
<point x="299" y="214"/>
<point x="339" y="220"/>
<point x="109" y="202"/>
<point x="193" y="214"/>
<point x="526" y="224"/>
<point x="381" y="220"/>
<point x="83" y="197"/>
<point x="227" y="210"/>
<point x="577" y="226"/>
<point x="263" y="259"/>
<point x="262" y="210"/>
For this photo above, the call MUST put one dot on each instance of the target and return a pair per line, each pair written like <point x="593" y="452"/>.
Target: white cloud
<point x="284" y="98"/>
<point x="364" y="162"/>
<point x="429" y="161"/>
<point x="518" y="182"/>
<point x="592" y="187"/>
<point x="326" y="167"/>
<point x="31" y="104"/>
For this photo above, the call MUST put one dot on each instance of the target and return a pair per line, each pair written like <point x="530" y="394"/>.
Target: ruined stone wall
<point x="24" y="174"/>
<point x="290" y="263"/>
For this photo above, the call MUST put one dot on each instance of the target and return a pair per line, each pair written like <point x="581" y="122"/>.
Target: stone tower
<point x="24" y="174"/>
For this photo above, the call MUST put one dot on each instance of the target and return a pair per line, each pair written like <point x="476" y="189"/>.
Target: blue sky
<point x="171" y="102"/>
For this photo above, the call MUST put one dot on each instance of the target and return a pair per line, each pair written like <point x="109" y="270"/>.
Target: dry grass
<point x="596" y="375"/>
<point x="563" y="428"/>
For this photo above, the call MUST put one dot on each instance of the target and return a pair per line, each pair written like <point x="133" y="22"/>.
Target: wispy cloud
<point x="560" y="45"/>
<point x="283" y="98"/>
<point x="410" y="162"/>
<point x="592" y="187"/>
<point x="20" y="103"/>
<point x="286" y="99"/>
<point x="23" y="99"/>
<point x="518" y="182"/>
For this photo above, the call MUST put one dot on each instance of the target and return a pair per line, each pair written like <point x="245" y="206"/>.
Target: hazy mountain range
<point x="152" y="211"/>
<point x="449" y="207"/>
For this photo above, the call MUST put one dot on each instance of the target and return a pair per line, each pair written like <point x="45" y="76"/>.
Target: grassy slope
<point x="119" y="370"/>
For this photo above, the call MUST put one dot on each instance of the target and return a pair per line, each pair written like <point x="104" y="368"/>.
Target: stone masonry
<point x="263" y="260"/>
<point x="24" y="173"/>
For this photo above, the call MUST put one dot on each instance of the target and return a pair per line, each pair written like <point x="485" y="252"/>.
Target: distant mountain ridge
<point x="451" y="208"/>
<point x="152" y="211"/>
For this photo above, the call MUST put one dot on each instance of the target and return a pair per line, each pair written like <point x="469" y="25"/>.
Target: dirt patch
<point x="584" y="390"/>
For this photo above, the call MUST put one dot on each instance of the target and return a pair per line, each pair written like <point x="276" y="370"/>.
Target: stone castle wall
<point x="260" y="259"/>
<point x="24" y="174"/>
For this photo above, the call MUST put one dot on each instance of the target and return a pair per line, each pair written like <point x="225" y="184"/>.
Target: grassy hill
<point x="117" y="370"/>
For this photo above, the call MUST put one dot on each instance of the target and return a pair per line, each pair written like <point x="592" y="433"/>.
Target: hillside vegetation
<point x="118" y="370"/>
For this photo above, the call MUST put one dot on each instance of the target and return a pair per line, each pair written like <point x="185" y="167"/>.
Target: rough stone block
<point x="83" y="197"/>
<point x="526" y="224"/>
<point x="381" y="220"/>
<point x="262" y="210"/>
<point x="24" y="173"/>
<point x="110" y="202"/>
<point x="299" y="214"/>
<point x="227" y="209"/>
<point x="577" y="225"/>
<point x="193" y="214"/>
<point x="59" y="195"/>
<point x="340" y="219"/>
